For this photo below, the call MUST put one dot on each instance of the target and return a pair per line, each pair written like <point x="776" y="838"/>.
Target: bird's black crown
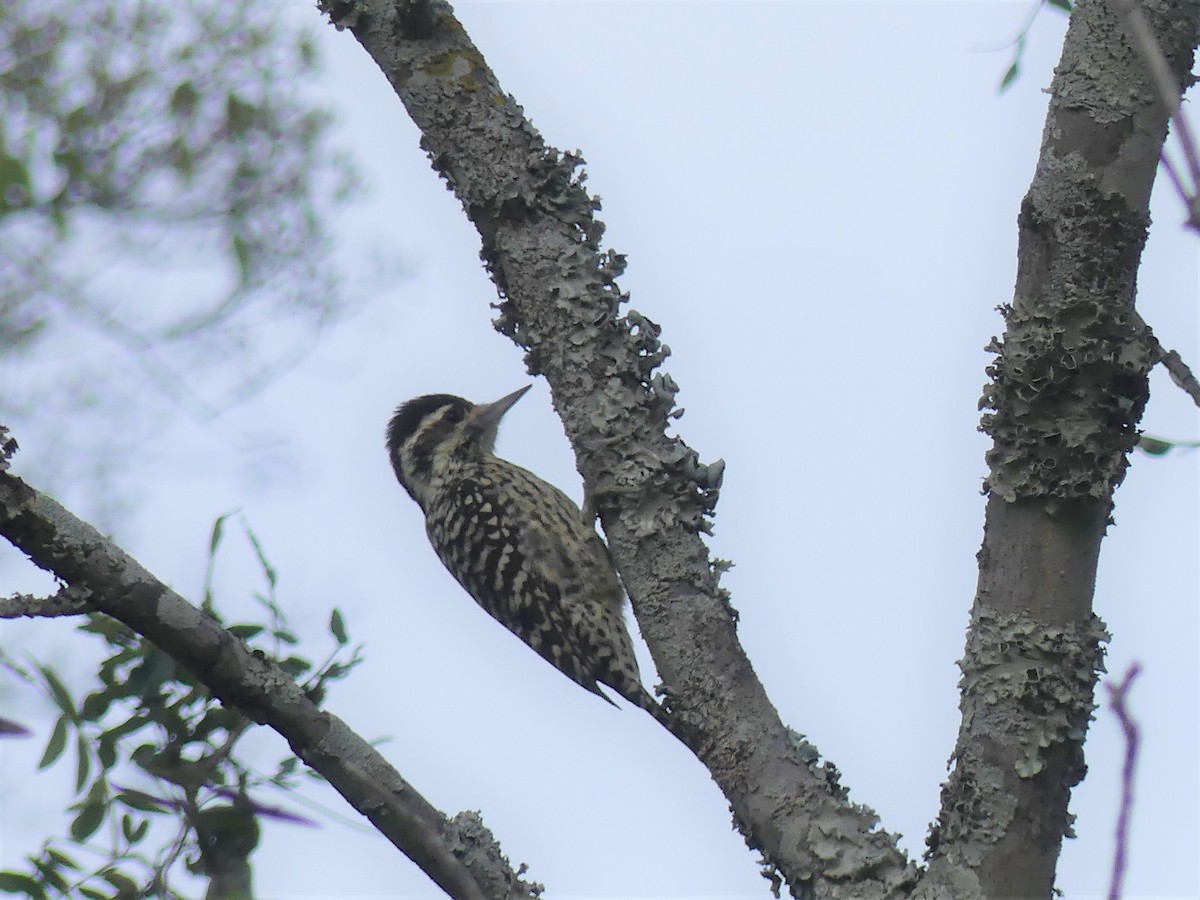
<point x="408" y="416"/>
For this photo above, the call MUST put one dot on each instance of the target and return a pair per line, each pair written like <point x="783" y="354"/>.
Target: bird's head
<point x="428" y="433"/>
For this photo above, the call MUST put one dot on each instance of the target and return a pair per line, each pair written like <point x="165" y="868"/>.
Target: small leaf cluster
<point x="1014" y="69"/>
<point x="1156" y="446"/>
<point x="147" y="721"/>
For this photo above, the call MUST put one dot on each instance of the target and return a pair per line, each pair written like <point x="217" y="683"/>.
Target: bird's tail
<point x="641" y="698"/>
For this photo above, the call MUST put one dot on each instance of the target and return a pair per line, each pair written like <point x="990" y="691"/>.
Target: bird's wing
<point x="520" y="578"/>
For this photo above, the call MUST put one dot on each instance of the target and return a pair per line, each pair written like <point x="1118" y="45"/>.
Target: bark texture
<point x="454" y="853"/>
<point x="560" y="302"/>
<point x="1068" y="388"/>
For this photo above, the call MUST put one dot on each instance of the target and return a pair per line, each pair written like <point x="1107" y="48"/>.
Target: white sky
<point x="819" y="204"/>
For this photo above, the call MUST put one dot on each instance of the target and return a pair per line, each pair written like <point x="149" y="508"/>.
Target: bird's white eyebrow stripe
<point x="430" y="422"/>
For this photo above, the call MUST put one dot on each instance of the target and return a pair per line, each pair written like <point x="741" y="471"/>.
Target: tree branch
<point x="560" y="301"/>
<point x="1119" y="698"/>
<point x="1068" y="389"/>
<point x="67" y="601"/>
<point x="1172" y="362"/>
<point x="458" y="859"/>
<point x="1167" y="85"/>
<point x="1182" y="375"/>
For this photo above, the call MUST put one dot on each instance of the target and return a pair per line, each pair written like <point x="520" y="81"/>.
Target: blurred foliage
<point x="159" y="783"/>
<point x="9" y="728"/>
<point x="164" y="178"/>
<point x="1018" y="44"/>
<point x="1154" y="446"/>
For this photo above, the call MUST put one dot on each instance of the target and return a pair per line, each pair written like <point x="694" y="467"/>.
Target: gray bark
<point x="1068" y="389"/>
<point x="112" y="582"/>
<point x="560" y="302"/>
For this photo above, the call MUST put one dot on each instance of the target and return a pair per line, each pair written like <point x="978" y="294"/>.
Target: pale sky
<point x="818" y="202"/>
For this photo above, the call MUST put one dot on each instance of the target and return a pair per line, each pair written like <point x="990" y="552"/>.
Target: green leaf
<point x="51" y="877"/>
<point x="140" y="801"/>
<point x="183" y="160"/>
<point x="56" y="744"/>
<point x="337" y="627"/>
<point x="61" y="858"/>
<point x="169" y="719"/>
<point x="1153" y="446"/>
<point x="316" y="693"/>
<point x="1064" y="5"/>
<point x="335" y="672"/>
<point x="19" y="883"/>
<point x="93" y="893"/>
<point x="114" y="633"/>
<point x="73" y="164"/>
<point x="58" y="212"/>
<point x="122" y="729"/>
<point x="106" y="752"/>
<point x="217" y="717"/>
<point x="90" y="818"/>
<point x="95" y="705"/>
<point x="59" y="692"/>
<point x="308" y="52"/>
<point x="242" y="253"/>
<point x="84" y="757"/>
<point x="239" y="115"/>
<point x="1010" y="76"/>
<point x="245" y="632"/>
<point x="116" y="680"/>
<point x="148" y="677"/>
<point x="183" y="100"/>
<point x="295" y="665"/>
<point x="268" y="570"/>
<point x="123" y="883"/>
<point x="15" y="190"/>
<point x="218" y="530"/>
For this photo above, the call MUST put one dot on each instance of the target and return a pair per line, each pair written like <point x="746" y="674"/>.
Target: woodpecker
<point x="517" y="544"/>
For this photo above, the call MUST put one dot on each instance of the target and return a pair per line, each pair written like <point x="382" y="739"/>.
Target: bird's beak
<point x="487" y="416"/>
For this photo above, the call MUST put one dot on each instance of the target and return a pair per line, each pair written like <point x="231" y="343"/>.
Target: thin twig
<point x="1182" y="375"/>
<point x="1169" y="92"/>
<point x="1171" y="361"/>
<point x="66" y="602"/>
<point x="9" y="728"/>
<point x="1174" y="176"/>
<point x="257" y="687"/>
<point x="1117" y="697"/>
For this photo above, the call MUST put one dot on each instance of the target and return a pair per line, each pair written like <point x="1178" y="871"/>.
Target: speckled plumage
<point x="516" y="543"/>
